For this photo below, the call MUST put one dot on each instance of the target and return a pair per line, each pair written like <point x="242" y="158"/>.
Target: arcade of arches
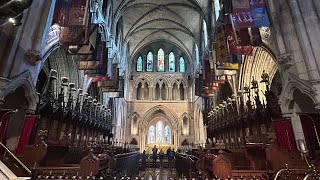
<point x="139" y="73"/>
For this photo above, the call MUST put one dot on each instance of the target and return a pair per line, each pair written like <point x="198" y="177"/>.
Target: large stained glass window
<point x="161" y="60"/>
<point x="139" y="64"/>
<point x="149" y="61"/>
<point x="167" y="135"/>
<point x="182" y="65"/>
<point x="151" y="135"/>
<point x="172" y="64"/>
<point x="159" y="128"/>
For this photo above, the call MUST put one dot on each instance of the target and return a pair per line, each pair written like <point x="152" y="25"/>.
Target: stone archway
<point x="154" y="115"/>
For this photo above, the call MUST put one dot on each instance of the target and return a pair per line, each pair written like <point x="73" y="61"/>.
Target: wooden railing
<point x="13" y="163"/>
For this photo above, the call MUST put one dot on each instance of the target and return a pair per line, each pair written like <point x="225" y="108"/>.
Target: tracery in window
<point x="167" y="134"/>
<point x="172" y="67"/>
<point x="151" y="135"/>
<point x="139" y="64"/>
<point x="182" y="65"/>
<point x="161" y="60"/>
<point x="159" y="128"/>
<point x="149" y="61"/>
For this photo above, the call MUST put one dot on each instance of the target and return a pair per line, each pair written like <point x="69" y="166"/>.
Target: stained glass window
<point x="139" y="64"/>
<point x="151" y="135"/>
<point x="172" y="67"/>
<point x="182" y="65"/>
<point x="150" y="62"/>
<point x="167" y="134"/>
<point x="161" y="60"/>
<point x="159" y="128"/>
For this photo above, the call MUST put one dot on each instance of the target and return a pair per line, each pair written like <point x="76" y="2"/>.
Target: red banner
<point x="285" y="135"/>
<point x="255" y="36"/>
<point x="257" y="3"/>
<point x="26" y="132"/>
<point x="242" y="18"/>
<point x="233" y="47"/>
<point x="242" y="4"/>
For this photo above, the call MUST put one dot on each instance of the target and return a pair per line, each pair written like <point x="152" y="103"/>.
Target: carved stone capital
<point x="33" y="56"/>
<point x="285" y="60"/>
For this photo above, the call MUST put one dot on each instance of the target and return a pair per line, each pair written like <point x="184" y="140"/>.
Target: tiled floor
<point x="159" y="174"/>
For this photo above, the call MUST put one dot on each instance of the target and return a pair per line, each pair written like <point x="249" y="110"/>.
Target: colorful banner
<point x="243" y="4"/>
<point x="243" y="37"/>
<point x="233" y="47"/>
<point x="71" y="15"/>
<point x="255" y="36"/>
<point x="221" y="47"/>
<point x="260" y="16"/>
<point x="257" y="3"/>
<point x="242" y="18"/>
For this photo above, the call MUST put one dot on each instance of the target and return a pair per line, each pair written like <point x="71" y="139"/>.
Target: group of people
<point x="161" y="155"/>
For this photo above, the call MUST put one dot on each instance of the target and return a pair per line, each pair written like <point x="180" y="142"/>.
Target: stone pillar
<point x="170" y="94"/>
<point x="185" y="93"/>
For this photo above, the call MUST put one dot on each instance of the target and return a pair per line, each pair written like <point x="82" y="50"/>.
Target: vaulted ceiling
<point x="145" y="21"/>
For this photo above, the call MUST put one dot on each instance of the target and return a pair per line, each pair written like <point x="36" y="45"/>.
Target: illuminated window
<point x="172" y="64"/>
<point x="159" y="128"/>
<point x="167" y="135"/>
<point x="149" y="62"/>
<point x="151" y="135"/>
<point x="182" y="65"/>
<point x="139" y="64"/>
<point x="161" y="60"/>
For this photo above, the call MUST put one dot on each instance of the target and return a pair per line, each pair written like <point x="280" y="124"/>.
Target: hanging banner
<point x="71" y="16"/>
<point x="221" y="47"/>
<point x="243" y="37"/>
<point x="257" y="3"/>
<point x="242" y="18"/>
<point x="240" y="4"/>
<point x="260" y="16"/>
<point x="232" y="45"/>
<point x="255" y="36"/>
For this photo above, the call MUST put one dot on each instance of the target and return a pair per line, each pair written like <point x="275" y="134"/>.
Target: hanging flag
<point x="260" y="16"/>
<point x="230" y="66"/>
<point x="243" y="37"/>
<point x="71" y="15"/>
<point x="242" y="18"/>
<point x="221" y="47"/>
<point x="234" y="58"/>
<point x="255" y="36"/>
<point x="257" y="3"/>
<point x="233" y="47"/>
<point x="242" y="4"/>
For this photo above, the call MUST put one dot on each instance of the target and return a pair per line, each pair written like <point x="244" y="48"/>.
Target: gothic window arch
<point x="159" y="129"/>
<point x="151" y="135"/>
<point x="175" y="92"/>
<point x="134" y="125"/>
<point x="139" y="64"/>
<point x="172" y="62"/>
<point x="139" y="91"/>
<point x="182" y="91"/>
<point x="185" y="125"/>
<point x="150" y="62"/>
<point x="167" y="134"/>
<point x="160" y="60"/>
<point x="182" y="66"/>
<point x="159" y="133"/>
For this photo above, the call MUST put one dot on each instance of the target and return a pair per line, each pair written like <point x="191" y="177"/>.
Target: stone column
<point x="170" y="94"/>
<point x="185" y="93"/>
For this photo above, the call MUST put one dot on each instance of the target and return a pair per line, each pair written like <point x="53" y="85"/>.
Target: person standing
<point x="143" y="160"/>
<point x="154" y="155"/>
<point x="161" y="156"/>
<point x="169" y="157"/>
<point x="172" y="154"/>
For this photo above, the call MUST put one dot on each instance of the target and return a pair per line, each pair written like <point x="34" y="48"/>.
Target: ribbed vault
<point x="145" y="21"/>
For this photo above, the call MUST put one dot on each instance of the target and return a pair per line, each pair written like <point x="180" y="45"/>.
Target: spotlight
<point x="12" y="20"/>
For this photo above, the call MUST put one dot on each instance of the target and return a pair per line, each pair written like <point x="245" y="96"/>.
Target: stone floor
<point x="159" y="174"/>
